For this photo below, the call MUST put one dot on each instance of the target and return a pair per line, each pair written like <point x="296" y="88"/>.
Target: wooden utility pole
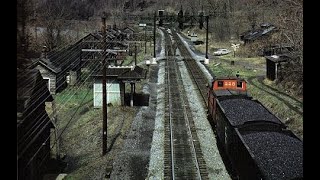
<point x="104" y="90"/>
<point x="135" y="54"/>
<point x="145" y="40"/>
<point x="207" y="19"/>
<point x="154" y="36"/>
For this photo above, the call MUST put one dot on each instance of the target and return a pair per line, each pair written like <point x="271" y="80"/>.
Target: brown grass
<point x="82" y="140"/>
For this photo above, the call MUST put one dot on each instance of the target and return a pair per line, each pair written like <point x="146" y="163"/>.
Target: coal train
<point x="256" y="142"/>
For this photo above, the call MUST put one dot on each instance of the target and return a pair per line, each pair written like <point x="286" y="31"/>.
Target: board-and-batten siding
<point x="113" y="93"/>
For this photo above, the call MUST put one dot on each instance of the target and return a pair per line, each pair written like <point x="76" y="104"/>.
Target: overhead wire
<point x="62" y="101"/>
<point x="60" y="48"/>
<point x="41" y="95"/>
<point x="56" y="140"/>
<point x="44" y="115"/>
<point x="73" y="94"/>
<point x="49" y="95"/>
<point x="51" y="114"/>
<point x="60" y="135"/>
<point x="63" y="54"/>
<point x="52" y="55"/>
<point x="62" y="84"/>
<point x="58" y="111"/>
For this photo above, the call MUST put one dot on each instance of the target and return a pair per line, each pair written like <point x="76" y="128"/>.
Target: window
<point x="239" y="84"/>
<point x="47" y="82"/>
<point x="220" y="83"/>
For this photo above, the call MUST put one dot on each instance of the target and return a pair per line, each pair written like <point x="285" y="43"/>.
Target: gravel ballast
<point x="133" y="160"/>
<point x="215" y="165"/>
<point x="156" y="165"/>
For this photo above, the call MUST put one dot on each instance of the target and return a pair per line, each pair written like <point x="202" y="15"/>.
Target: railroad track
<point x="198" y="76"/>
<point x="183" y="158"/>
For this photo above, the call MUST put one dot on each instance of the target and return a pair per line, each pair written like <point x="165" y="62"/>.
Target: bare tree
<point x="291" y="27"/>
<point x="23" y="14"/>
<point x="24" y="11"/>
<point x="54" y="13"/>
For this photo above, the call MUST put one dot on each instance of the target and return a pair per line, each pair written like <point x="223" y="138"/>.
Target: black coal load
<point x="239" y="111"/>
<point x="278" y="155"/>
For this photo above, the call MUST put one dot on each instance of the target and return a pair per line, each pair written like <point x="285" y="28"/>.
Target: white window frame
<point x="48" y="82"/>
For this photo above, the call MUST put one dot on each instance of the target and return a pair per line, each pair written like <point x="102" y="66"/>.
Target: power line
<point x="40" y="96"/>
<point x="44" y="115"/>
<point x="72" y="95"/>
<point x="47" y="124"/>
<point x="51" y="114"/>
<point x="66" y="96"/>
<point x="56" y="141"/>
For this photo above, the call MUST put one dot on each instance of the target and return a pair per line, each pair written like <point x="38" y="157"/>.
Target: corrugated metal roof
<point x="281" y="57"/>
<point x="254" y="34"/>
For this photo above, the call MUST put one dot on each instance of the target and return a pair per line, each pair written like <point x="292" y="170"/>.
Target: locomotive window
<point x="220" y="83"/>
<point x="239" y="84"/>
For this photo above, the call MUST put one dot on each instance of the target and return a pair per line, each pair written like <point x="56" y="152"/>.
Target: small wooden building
<point x="116" y="77"/>
<point x="129" y="33"/>
<point x="92" y="48"/>
<point x="55" y="66"/>
<point x="276" y="64"/>
<point x="33" y="125"/>
<point x="252" y="35"/>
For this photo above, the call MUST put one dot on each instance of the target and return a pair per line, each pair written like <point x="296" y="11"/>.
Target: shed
<point x="56" y="65"/>
<point x="33" y="124"/>
<point x="275" y="65"/>
<point x="129" y="32"/>
<point x="252" y="35"/>
<point x="92" y="47"/>
<point x="194" y="37"/>
<point x="116" y="76"/>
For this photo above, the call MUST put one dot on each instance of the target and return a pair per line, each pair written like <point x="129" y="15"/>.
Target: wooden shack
<point x="56" y="65"/>
<point x="116" y="77"/>
<point x="129" y="33"/>
<point x="276" y="64"/>
<point x="92" y="48"/>
<point x="264" y="31"/>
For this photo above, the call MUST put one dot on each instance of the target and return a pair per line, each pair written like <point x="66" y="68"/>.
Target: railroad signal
<point x="160" y="22"/>
<point x="235" y="47"/>
<point x="201" y="20"/>
<point x="160" y="12"/>
<point x="180" y="18"/>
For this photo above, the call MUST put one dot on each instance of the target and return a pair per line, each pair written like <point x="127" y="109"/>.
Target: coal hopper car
<point x="257" y="143"/>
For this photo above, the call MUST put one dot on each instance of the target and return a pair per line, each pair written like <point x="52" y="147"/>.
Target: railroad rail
<point x="183" y="156"/>
<point x="198" y="76"/>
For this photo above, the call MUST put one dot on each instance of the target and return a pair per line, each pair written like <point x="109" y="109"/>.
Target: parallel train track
<point x="198" y="76"/>
<point x="183" y="156"/>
